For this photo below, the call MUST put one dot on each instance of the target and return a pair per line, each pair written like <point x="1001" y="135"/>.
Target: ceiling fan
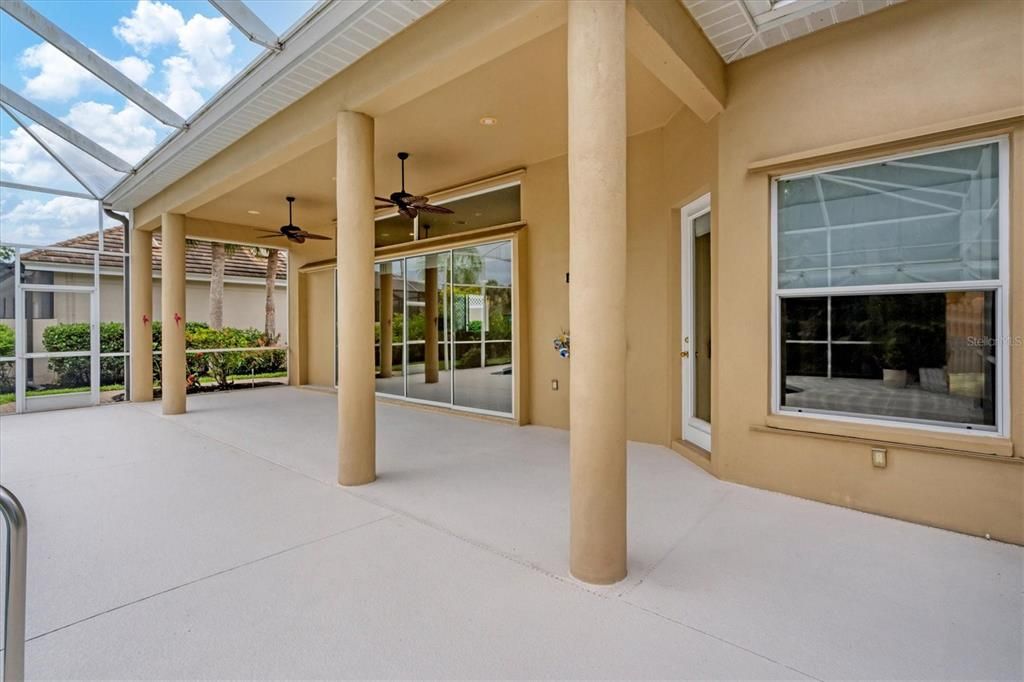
<point x="294" y="233"/>
<point x="410" y="205"/>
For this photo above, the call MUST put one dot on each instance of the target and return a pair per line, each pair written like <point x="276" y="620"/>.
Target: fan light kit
<point x="409" y="205"/>
<point x="292" y="232"/>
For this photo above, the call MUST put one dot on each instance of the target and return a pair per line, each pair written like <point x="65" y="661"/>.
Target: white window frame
<point x="1000" y="286"/>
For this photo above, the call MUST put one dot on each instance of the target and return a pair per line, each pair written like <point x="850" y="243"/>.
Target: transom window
<point x="891" y="289"/>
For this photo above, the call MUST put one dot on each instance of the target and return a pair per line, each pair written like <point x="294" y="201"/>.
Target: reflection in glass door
<point x="428" y="371"/>
<point x="482" y="326"/>
<point x="449" y="315"/>
<point x="389" y="327"/>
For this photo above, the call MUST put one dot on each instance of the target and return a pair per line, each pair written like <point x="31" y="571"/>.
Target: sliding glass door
<point x="445" y="321"/>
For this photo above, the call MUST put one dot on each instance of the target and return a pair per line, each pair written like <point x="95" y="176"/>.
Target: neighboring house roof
<point x="241" y="262"/>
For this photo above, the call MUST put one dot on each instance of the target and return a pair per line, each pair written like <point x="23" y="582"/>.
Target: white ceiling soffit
<point x="330" y="38"/>
<point x="740" y="28"/>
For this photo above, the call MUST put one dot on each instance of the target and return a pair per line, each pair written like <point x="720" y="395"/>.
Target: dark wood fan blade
<point x="416" y="201"/>
<point x="377" y="208"/>
<point x="277" y="232"/>
<point x="385" y="200"/>
<point x="310" y="235"/>
<point x="430" y="208"/>
<point x="271" y="236"/>
<point x="408" y="211"/>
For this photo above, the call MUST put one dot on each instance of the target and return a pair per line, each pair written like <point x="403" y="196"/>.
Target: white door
<point x="696" y="317"/>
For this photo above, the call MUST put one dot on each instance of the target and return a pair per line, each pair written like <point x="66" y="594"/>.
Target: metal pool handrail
<point x="14" y="602"/>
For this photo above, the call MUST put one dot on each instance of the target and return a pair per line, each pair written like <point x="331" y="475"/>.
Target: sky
<point x="182" y="52"/>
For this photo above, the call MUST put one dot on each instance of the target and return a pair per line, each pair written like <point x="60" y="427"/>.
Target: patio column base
<point x="172" y="312"/>
<point x="597" y="306"/>
<point x="355" y="244"/>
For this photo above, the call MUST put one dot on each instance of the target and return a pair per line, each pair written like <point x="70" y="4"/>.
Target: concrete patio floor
<point x="216" y="545"/>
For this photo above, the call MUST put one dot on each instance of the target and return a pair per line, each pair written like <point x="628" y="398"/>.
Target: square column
<point x="172" y="306"/>
<point x="140" y="290"/>
<point x="355" y="243"/>
<point x="597" y="290"/>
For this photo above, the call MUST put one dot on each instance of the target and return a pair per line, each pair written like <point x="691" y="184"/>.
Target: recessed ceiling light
<point x="250" y="212"/>
<point x="385" y="234"/>
<point x="412" y="234"/>
<point x="488" y="121"/>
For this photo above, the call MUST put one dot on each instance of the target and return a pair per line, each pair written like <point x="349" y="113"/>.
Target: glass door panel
<point x="389" y="327"/>
<point x="482" y="326"/>
<point x="427" y="304"/>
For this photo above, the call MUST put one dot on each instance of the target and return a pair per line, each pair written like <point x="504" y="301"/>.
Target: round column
<point x="172" y="313"/>
<point x="140" y="284"/>
<point x="597" y="307"/>
<point x="355" y="244"/>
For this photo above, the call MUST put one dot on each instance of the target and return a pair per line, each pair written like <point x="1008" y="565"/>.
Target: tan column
<point x="356" y="425"/>
<point x="597" y="310"/>
<point x="387" y="316"/>
<point x="430" y="359"/>
<point x="140" y="289"/>
<point x="172" y="313"/>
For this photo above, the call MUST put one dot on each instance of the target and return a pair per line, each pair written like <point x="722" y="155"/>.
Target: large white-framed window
<point x="890" y="290"/>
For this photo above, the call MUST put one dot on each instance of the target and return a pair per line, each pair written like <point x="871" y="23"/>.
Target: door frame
<point x="694" y="430"/>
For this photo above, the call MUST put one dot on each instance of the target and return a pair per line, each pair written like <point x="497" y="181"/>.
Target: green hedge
<point x="7" y="351"/>
<point x="219" y="366"/>
<point x="59" y="338"/>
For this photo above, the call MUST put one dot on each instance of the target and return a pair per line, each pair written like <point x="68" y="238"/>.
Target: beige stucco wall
<point x="915" y="65"/>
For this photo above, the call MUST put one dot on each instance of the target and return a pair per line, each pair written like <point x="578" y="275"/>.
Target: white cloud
<point x="139" y="70"/>
<point x="150" y="24"/>
<point x="127" y="132"/>
<point x="60" y="78"/>
<point x="36" y="221"/>
<point x="24" y="161"/>
<point x="203" y="63"/>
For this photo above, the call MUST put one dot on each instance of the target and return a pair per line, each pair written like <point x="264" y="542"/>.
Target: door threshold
<point x="694" y="453"/>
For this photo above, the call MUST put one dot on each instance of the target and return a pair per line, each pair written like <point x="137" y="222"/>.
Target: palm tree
<point x="270" y="323"/>
<point x="270" y="284"/>
<point x="219" y="254"/>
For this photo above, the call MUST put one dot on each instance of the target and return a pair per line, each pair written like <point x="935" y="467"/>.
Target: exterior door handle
<point x="684" y="353"/>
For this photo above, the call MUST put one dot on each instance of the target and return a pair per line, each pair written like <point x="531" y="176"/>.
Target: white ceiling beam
<point x="56" y="157"/>
<point x="45" y="190"/>
<point x="62" y="130"/>
<point x="99" y="67"/>
<point x="247" y="22"/>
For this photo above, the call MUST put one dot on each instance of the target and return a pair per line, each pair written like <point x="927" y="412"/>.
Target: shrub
<point x="59" y="338"/>
<point x="220" y="366"/>
<point x="6" y="367"/>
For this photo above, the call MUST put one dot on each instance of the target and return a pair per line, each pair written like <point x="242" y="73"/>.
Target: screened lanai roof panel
<point x="171" y="56"/>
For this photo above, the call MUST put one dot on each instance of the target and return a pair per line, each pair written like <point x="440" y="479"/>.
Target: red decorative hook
<point x="145" y="318"/>
<point x="177" y="319"/>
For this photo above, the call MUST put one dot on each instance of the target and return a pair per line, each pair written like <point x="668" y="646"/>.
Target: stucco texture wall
<point x="916" y="65"/>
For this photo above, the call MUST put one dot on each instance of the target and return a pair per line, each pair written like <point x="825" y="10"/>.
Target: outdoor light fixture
<point x="488" y="121"/>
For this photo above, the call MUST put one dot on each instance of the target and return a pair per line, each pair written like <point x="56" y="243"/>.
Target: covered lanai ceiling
<point x="524" y="90"/>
